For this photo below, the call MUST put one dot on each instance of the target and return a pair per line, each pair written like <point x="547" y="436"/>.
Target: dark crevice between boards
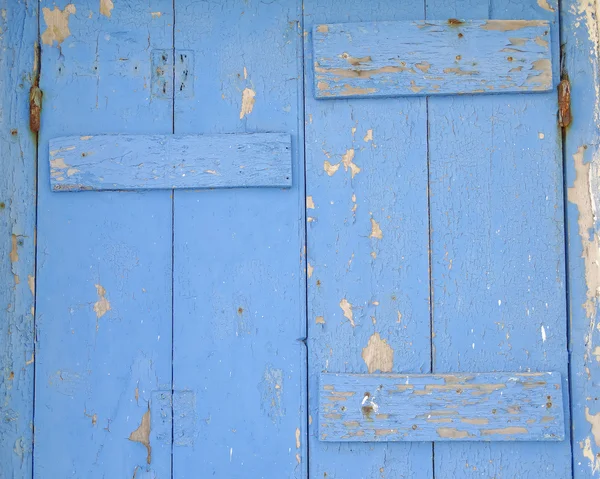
<point x="172" y="197"/>
<point x="564" y="120"/>
<point x="429" y="245"/>
<point x="35" y="125"/>
<point x="302" y="128"/>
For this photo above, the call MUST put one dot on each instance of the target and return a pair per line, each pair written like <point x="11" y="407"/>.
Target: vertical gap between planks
<point x="429" y="246"/>
<point x="302" y="119"/>
<point x="172" y="455"/>
<point x="37" y="65"/>
<point x="563" y="136"/>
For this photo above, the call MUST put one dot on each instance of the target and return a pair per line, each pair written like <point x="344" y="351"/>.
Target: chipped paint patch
<point x="329" y="168"/>
<point x="452" y="433"/>
<point x="31" y="283"/>
<point x="510" y="25"/>
<point x="594" y="420"/>
<point x="309" y="270"/>
<point x="14" y="253"/>
<point x="581" y="194"/>
<point x="375" y="230"/>
<point x="347" y="160"/>
<point x="105" y="7"/>
<point x="319" y="320"/>
<point x="248" y="100"/>
<point x="156" y="14"/>
<point x="347" y="309"/>
<point x="310" y="203"/>
<point x="102" y="306"/>
<point x="297" y="438"/>
<point x="57" y="24"/>
<point x="142" y="434"/>
<point x="378" y="355"/>
<point x="586" y="447"/>
<point x="369" y="136"/>
<point x="545" y="5"/>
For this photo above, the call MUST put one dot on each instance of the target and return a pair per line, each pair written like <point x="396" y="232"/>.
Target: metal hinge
<point x="564" y="93"/>
<point x="35" y="107"/>
<point x="35" y="94"/>
<point x="564" y="102"/>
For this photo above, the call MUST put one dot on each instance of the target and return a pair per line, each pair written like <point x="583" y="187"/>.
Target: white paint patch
<point x="543" y="333"/>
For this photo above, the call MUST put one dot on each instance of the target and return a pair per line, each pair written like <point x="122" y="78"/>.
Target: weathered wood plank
<point x="497" y="245"/>
<point x="18" y="37"/>
<point x="104" y="258"/>
<point x="446" y="407"/>
<point x="580" y="34"/>
<point x="450" y="57"/>
<point x="239" y="284"/>
<point x="367" y="251"/>
<point x="133" y="162"/>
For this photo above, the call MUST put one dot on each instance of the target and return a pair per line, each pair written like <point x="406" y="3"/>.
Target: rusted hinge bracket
<point x="564" y="102"/>
<point x="35" y="94"/>
<point x="564" y="93"/>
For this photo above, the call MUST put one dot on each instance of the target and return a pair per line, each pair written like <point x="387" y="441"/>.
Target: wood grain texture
<point x="443" y="57"/>
<point x="580" y="35"/>
<point x="18" y="36"/>
<point x="367" y="251"/>
<point x="449" y="407"/>
<point x="239" y="285"/>
<point x="497" y="246"/>
<point x="134" y="162"/>
<point x="104" y="258"/>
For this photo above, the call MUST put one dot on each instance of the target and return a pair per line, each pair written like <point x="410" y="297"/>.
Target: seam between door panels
<point x="173" y="253"/>
<point x="38" y="68"/>
<point x="302" y="119"/>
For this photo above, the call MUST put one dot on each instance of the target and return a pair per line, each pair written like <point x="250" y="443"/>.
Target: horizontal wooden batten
<point x="386" y="59"/>
<point x="132" y="162"/>
<point x="441" y="407"/>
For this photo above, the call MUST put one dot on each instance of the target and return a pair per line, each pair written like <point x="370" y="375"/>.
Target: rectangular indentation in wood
<point x="441" y="407"/>
<point x="132" y="162"/>
<point x="431" y="58"/>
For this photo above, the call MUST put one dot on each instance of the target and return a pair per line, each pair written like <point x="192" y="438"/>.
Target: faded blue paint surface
<point x="432" y="57"/>
<point x="104" y="258"/>
<point x="18" y="34"/>
<point x="441" y="407"/>
<point x="238" y="291"/>
<point x="137" y="162"/>
<point x="582" y="170"/>
<point x="497" y="246"/>
<point x="367" y="246"/>
<point x="463" y="194"/>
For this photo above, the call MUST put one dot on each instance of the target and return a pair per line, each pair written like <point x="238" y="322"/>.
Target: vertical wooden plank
<point x="367" y="236"/>
<point x="18" y="36"/>
<point x="497" y="246"/>
<point x="239" y="283"/>
<point x="580" y="36"/>
<point x="104" y="259"/>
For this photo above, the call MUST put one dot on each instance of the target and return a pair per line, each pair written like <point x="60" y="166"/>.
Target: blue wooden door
<point x="278" y="239"/>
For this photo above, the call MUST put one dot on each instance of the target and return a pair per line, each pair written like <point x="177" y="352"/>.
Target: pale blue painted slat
<point x="582" y="168"/>
<point x="385" y="59"/>
<point x="497" y="247"/>
<point x="239" y="284"/>
<point x="449" y="407"/>
<point x="104" y="258"/>
<point x="18" y="36"/>
<point x="367" y="251"/>
<point x="133" y="162"/>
